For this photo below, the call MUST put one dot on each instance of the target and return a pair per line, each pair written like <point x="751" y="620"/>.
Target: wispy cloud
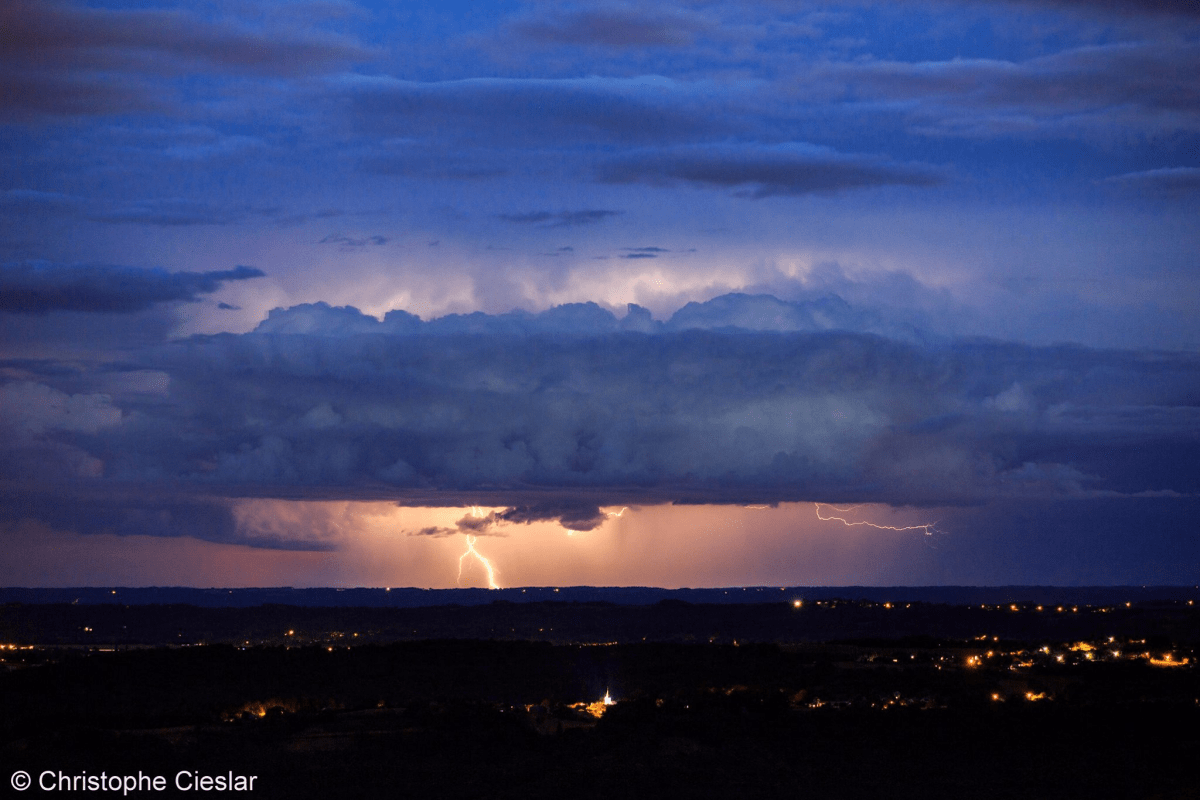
<point x="766" y="170"/>
<point x="561" y="219"/>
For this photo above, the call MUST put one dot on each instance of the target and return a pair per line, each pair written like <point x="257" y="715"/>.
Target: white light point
<point x="928" y="528"/>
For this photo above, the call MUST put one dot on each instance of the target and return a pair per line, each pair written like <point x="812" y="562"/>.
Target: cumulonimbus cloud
<point x="555" y="416"/>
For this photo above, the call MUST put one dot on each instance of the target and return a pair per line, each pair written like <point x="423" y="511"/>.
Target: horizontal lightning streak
<point x="927" y="528"/>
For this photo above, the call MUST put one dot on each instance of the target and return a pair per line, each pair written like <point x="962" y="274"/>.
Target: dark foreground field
<point x="1085" y="706"/>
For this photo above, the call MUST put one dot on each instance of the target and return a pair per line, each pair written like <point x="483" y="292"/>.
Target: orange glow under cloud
<point x="376" y="544"/>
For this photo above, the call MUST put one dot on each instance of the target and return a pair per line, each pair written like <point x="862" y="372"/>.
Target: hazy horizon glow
<point x="380" y="545"/>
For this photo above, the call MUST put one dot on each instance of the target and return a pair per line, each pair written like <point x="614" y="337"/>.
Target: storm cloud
<point x="553" y="416"/>
<point x="37" y="288"/>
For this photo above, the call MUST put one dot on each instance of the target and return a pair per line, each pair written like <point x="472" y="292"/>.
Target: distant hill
<point x="632" y="595"/>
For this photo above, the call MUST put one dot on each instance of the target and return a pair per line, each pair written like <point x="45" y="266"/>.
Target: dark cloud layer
<point x="763" y="171"/>
<point x="62" y="59"/>
<point x="1147" y="85"/>
<point x="740" y="400"/>
<point x="354" y="242"/>
<point x="569" y="513"/>
<point x="1181" y="8"/>
<point x="159" y="212"/>
<point x="37" y="288"/>
<point x="561" y="219"/>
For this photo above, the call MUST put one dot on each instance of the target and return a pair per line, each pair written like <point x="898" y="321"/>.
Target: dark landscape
<point x="808" y="695"/>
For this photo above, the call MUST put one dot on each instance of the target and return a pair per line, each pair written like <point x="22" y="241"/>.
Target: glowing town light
<point x="927" y="528"/>
<point x="471" y="551"/>
<point x="1169" y="660"/>
<point x="598" y="708"/>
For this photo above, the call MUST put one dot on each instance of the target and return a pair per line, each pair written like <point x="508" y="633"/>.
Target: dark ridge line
<point x="410" y="597"/>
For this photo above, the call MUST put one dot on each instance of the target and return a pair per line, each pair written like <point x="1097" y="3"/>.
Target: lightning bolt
<point x="477" y="513"/>
<point x="471" y="551"/>
<point x="928" y="529"/>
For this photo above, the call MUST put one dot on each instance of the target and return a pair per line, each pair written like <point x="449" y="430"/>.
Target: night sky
<point x="670" y="294"/>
